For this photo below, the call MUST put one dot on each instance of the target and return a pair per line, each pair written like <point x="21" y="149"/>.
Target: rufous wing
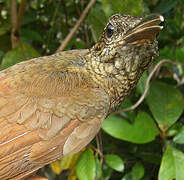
<point x="35" y="131"/>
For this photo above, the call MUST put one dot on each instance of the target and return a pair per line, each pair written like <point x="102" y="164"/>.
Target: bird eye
<point x="109" y="30"/>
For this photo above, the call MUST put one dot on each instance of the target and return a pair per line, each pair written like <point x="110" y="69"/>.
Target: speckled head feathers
<point x="117" y="27"/>
<point x="120" y="26"/>
<point x="123" y="31"/>
<point x="125" y="50"/>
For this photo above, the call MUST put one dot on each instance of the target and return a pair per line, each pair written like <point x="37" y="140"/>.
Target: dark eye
<point x="109" y="30"/>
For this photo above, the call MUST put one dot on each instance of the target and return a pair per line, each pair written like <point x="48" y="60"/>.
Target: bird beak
<point x="147" y="29"/>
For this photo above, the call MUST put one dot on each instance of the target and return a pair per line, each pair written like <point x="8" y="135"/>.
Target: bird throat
<point x="119" y="74"/>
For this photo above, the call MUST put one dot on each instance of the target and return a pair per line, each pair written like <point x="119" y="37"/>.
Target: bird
<point x="53" y="106"/>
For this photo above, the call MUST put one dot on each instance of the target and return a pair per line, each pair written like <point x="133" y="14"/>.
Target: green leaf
<point x="22" y="52"/>
<point x="98" y="169"/>
<point x="85" y="167"/>
<point x="136" y="132"/>
<point x="166" y="53"/>
<point x="172" y="165"/>
<point x="179" y="52"/>
<point x="131" y="115"/>
<point x="66" y="162"/>
<point x="107" y="8"/>
<point x="1" y="55"/>
<point x="142" y="83"/>
<point x="127" y="176"/>
<point x="56" y="167"/>
<point x="107" y="171"/>
<point x="179" y="138"/>
<point x="98" y="20"/>
<point x="165" y="6"/>
<point x="125" y="6"/>
<point x="30" y="35"/>
<point x="149" y="157"/>
<point x="5" y="43"/>
<point x="174" y="129"/>
<point x="115" y="162"/>
<point x="165" y="102"/>
<point x="137" y="171"/>
<point x="4" y="28"/>
<point x="29" y="18"/>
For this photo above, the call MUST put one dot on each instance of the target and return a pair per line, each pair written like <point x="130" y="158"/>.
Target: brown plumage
<point x="53" y="106"/>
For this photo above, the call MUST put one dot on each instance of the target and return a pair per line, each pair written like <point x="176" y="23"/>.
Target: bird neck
<point x="116" y="83"/>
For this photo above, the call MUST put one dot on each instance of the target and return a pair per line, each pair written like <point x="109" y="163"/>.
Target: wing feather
<point x="36" y="130"/>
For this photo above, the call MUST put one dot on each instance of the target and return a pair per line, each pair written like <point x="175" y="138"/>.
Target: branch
<point x="157" y="66"/>
<point x="20" y="14"/>
<point x="87" y="36"/>
<point x="16" y="21"/>
<point x="77" y="25"/>
<point x="13" y="22"/>
<point x="99" y="148"/>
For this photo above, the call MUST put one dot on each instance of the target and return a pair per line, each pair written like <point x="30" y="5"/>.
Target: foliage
<point x="145" y="143"/>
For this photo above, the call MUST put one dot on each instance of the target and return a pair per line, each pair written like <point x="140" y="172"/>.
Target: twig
<point x="75" y="28"/>
<point x="96" y="149"/>
<point x="16" y="21"/>
<point x="99" y="146"/>
<point x="86" y="35"/>
<point x="157" y="66"/>
<point x="20" y="14"/>
<point x="13" y="22"/>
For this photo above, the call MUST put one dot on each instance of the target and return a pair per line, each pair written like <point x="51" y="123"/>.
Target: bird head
<point x="128" y="43"/>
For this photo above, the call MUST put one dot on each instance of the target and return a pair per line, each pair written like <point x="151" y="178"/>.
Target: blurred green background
<point x="146" y="143"/>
